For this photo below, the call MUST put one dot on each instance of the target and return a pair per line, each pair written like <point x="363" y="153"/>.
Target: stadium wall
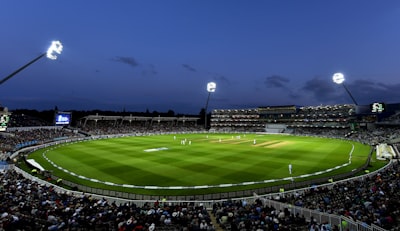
<point x="275" y="128"/>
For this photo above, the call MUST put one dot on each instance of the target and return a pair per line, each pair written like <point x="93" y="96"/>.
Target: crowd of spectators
<point x="22" y="120"/>
<point x="327" y="132"/>
<point x="244" y="215"/>
<point x="371" y="137"/>
<point x="378" y="135"/>
<point x="107" y="127"/>
<point x="28" y="205"/>
<point x="372" y="200"/>
<point x="16" y="139"/>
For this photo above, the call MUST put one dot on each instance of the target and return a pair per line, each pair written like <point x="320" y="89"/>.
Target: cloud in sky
<point x="280" y="82"/>
<point x="149" y="70"/>
<point x="189" y="68"/>
<point x="126" y="60"/>
<point x="321" y="89"/>
<point x="220" y="78"/>
<point x="294" y="95"/>
<point x="367" y="91"/>
<point x="276" y="81"/>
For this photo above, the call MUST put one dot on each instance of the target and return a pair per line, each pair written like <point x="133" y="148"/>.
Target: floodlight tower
<point x="338" y="78"/>
<point x="211" y="87"/>
<point x="54" y="49"/>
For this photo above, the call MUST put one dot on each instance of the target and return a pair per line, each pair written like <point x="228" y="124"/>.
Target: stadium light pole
<point x="51" y="53"/>
<point x="211" y="87"/>
<point x="338" y="78"/>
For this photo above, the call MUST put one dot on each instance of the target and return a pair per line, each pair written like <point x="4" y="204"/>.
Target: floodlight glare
<point x="55" y="48"/>
<point x="211" y="86"/>
<point x="338" y="78"/>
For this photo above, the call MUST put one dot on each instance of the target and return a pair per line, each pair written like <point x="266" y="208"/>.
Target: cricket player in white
<point x="290" y="169"/>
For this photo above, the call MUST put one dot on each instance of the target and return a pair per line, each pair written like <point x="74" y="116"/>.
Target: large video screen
<point x="63" y="118"/>
<point x="377" y="107"/>
<point x="4" y="118"/>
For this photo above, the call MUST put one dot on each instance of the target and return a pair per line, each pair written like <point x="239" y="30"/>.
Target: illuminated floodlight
<point x="211" y="87"/>
<point x="54" y="49"/>
<point x="338" y="78"/>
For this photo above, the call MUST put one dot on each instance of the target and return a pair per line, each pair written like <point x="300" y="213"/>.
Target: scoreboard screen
<point x="62" y="118"/>
<point x="377" y="107"/>
<point x="4" y="118"/>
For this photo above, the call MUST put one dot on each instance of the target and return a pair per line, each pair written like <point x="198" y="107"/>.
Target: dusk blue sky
<point x="160" y="54"/>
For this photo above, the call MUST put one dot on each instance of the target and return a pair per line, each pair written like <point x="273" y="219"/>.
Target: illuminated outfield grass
<point x="205" y="159"/>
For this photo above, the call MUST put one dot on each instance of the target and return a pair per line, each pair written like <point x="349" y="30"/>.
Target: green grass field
<point x="205" y="159"/>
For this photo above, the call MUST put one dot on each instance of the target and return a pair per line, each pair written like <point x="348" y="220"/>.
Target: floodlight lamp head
<point x="54" y="49"/>
<point x="211" y="87"/>
<point x="338" y="78"/>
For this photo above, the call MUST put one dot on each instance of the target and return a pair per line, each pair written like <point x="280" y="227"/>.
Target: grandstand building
<point x="281" y="117"/>
<point x="342" y="118"/>
<point x="101" y="124"/>
<point x="236" y="120"/>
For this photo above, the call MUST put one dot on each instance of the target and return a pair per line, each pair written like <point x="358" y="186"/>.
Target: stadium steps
<point x="214" y="221"/>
